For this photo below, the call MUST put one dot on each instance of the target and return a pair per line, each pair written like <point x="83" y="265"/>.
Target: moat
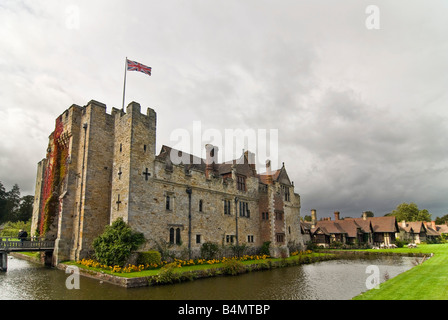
<point x="329" y="280"/>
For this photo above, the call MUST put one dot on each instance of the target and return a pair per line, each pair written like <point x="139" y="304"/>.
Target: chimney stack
<point x="250" y="158"/>
<point x="336" y="215"/>
<point x="211" y="157"/>
<point x="313" y="218"/>
<point x="364" y="215"/>
<point x="403" y="224"/>
<point x="433" y="225"/>
<point x="268" y="172"/>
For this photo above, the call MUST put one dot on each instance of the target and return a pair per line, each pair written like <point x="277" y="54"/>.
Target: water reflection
<point x="331" y="280"/>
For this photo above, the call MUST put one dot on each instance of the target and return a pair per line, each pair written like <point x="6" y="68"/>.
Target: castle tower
<point x="74" y="194"/>
<point x="94" y="168"/>
<point x="133" y="166"/>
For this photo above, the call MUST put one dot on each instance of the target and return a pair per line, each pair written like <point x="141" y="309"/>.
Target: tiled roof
<point x="431" y="232"/>
<point x="442" y="228"/>
<point x="241" y="165"/>
<point x="383" y="224"/>
<point x="350" y="226"/>
<point x="264" y="177"/>
<point x="412" y="226"/>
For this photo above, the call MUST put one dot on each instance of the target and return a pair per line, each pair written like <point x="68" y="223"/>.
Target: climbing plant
<point x="55" y="172"/>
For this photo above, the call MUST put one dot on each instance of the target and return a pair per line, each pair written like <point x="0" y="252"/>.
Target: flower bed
<point x="178" y="262"/>
<point x="186" y="270"/>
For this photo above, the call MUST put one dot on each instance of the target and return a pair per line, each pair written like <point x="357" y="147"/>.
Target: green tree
<point x="2" y="203"/>
<point x="118" y="240"/>
<point x="25" y="211"/>
<point x="410" y="212"/>
<point x="12" y="204"/>
<point x="442" y="220"/>
<point x="370" y="214"/>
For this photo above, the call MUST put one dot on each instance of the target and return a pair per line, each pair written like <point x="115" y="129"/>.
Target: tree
<point x="307" y="218"/>
<point x="118" y="240"/>
<point x="2" y="203"/>
<point x="12" y="204"/>
<point x="442" y="220"/>
<point x="25" y="211"/>
<point x="410" y="212"/>
<point x="13" y="207"/>
<point x="369" y="214"/>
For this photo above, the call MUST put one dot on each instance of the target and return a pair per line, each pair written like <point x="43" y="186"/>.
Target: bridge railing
<point x="34" y="243"/>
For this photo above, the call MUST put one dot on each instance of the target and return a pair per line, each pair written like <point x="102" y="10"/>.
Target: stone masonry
<point x="111" y="170"/>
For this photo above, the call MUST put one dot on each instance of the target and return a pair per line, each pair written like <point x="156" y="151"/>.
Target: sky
<point x="357" y="96"/>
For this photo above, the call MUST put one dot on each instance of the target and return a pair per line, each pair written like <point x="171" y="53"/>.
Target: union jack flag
<point x="135" y="66"/>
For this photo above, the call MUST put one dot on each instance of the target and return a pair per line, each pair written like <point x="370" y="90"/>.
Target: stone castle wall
<point x="112" y="171"/>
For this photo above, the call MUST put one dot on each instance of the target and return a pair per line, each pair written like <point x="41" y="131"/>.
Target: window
<point x="250" y="238"/>
<point x="121" y="147"/>
<point x="171" y="235"/>
<point x="241" y="183"/>
<point x="229" y="238"/>
<point x="280" y="237"/>
<point x="178" y="241"/>
<point x="175" y="236"/>
<point x="285" y="190"/>
<point x="279" y="215"/>
<point x="265" y="215"/>
<point x="198" y="238"/>
<point x="144" y="147"/>
<point x="244" y="209"/>
<point x="227" y="207"/>
<point x="168" y="205"/>
<point x="200" y="205"/>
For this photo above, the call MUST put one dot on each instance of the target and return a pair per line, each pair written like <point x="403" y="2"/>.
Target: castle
<point x="101" y="166"/>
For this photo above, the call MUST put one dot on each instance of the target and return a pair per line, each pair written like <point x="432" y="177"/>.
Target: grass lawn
<point x="427" y="281"/>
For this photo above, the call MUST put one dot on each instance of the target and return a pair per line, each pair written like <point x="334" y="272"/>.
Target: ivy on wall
<point x="55" y="172"/>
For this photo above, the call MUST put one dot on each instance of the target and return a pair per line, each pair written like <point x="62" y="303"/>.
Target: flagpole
<point x="124" y="84"/>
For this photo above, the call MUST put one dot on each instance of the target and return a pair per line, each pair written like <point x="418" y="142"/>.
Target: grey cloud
<point x="361" y="114"/>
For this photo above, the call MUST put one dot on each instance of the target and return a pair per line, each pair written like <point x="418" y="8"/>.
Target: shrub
<point x="167" y="274"/>
<point x="265" y="248"/>
<point x="233" y="267"/>
<point x="238" y="250"/>
<point x="11" y="229"/>
<point x="336" y="245"/>
<point x="264" y="265"/>
<point x="149" y="257"/>
<point x="312" y="246"/>
<point x="209" y="250"/>
<point x="400" y="243"/>
<point x="114" y="246"/>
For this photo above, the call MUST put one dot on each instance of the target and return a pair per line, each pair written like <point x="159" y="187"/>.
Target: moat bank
<point x="427" y="281"/>
<point x="189" y="273"/>
<point x="332" y="280"/>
